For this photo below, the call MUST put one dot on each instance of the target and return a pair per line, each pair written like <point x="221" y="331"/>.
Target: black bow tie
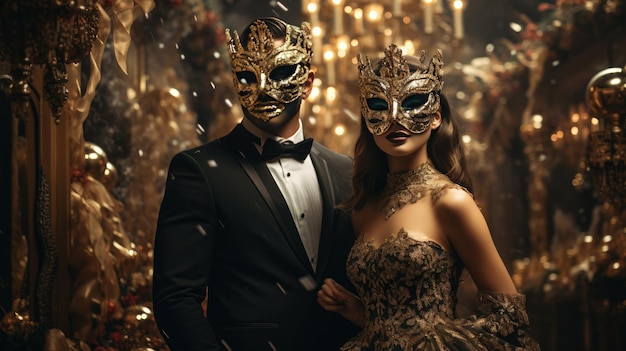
<point x="273" y="149"/>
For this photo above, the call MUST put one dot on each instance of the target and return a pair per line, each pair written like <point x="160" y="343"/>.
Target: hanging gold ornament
<point x="50" y="33"/>
<point x="606" y="99"/>
<point x="109" y="176"/>
<point x="96" y="161"/>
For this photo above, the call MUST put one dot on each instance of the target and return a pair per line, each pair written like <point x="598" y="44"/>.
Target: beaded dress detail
<point x="408" y="288"/>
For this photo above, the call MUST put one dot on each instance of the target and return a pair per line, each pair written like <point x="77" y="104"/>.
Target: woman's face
<point x="399" y="92"/>
<point x="408" y="106"/>
<point x="398" y="141"/>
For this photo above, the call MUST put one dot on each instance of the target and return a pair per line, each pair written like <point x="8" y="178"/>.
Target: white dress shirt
<point x="298" y="183"/>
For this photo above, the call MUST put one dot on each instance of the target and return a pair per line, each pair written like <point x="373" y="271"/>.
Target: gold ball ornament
<point x="95" y="160"/>
<point x="606" y="93"/>
<point x="109" y="176"/>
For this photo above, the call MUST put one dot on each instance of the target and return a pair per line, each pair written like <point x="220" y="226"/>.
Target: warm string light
<point x="374" y="12"/>
<point x="317" y="32"/>
<point x="457" y="15"/>
<point x="313" y="10"/>
<point x="397" y="8"/>
<point x="337" y="17"/>
<point x="428" y="16"/>
<point x="329" y="58"/>
<point x="358" y="22"/>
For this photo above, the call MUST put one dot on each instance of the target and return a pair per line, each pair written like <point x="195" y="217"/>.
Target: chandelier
<point x="51" y="33"/>
<point x="344" y="28"/>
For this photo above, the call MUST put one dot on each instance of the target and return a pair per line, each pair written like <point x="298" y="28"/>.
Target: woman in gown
<point x="418" y="225"/>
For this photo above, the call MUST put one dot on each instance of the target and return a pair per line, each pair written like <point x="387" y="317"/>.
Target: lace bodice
<point x="404" y="278"/>
<point x="408" y="288"/>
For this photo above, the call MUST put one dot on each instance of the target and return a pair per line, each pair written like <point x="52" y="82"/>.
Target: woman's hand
<point x="335" y="298"/>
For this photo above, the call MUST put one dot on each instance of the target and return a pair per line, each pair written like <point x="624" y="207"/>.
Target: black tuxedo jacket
<point x="223" y="224"/>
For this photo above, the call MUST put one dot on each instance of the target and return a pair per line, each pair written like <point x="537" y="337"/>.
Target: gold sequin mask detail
<point x="397" y="95"/>
<point x="260" y="68"/>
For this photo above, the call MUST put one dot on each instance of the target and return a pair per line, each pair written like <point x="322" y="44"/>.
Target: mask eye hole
<point x="246" y="77"/>
<point x="374" y="121"/>
<point x="414" y="101"/>
<point x="282" y="72"/>
<point x="377" y="104"/>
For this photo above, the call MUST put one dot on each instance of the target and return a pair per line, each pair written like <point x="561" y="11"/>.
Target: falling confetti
<point x="282" y="7"/>
<point x="281" y="288"/>
<point x="308" y="283"/>
<point x="272" y="346"/>
<point x="200" y="229"/>
<point x="225" y="344"/>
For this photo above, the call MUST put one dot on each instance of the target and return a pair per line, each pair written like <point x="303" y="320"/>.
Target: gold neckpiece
<point x="408" y="187"/>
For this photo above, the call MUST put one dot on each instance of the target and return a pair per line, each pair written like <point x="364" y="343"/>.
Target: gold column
<point x="38" y="38"/>
<point x="55" y="164"/>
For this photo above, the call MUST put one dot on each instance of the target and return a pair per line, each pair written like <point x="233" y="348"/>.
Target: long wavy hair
<point x="445" y="150"/>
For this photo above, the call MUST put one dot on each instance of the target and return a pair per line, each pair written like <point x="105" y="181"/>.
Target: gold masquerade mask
<point x="278" y="72"/>
<point x="396" y="94"/>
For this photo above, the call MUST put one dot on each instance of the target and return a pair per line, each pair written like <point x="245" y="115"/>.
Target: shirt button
<point x="302" y="215"/>
<point x="288" y="174"/>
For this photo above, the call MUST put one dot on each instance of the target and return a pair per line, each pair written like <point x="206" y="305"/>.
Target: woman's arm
<point x="464" y="225"/>
<point x="499" y="309"/>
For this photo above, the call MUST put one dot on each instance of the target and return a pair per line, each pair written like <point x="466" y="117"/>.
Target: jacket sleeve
<point x="183" y="253"/>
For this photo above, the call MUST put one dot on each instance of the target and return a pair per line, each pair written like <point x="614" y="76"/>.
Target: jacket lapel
<point x="328" y="211"/>
<point x="259" y="174"/>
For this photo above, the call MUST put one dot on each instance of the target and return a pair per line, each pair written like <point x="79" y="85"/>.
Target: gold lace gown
<point x="408" y="288"/>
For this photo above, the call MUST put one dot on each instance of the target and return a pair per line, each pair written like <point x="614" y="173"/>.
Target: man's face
<point x="271" y="75"/>
<point x="270" y="85"/>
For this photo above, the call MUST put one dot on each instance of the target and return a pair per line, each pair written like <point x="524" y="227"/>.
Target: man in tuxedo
<point x="250" y="219"/>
